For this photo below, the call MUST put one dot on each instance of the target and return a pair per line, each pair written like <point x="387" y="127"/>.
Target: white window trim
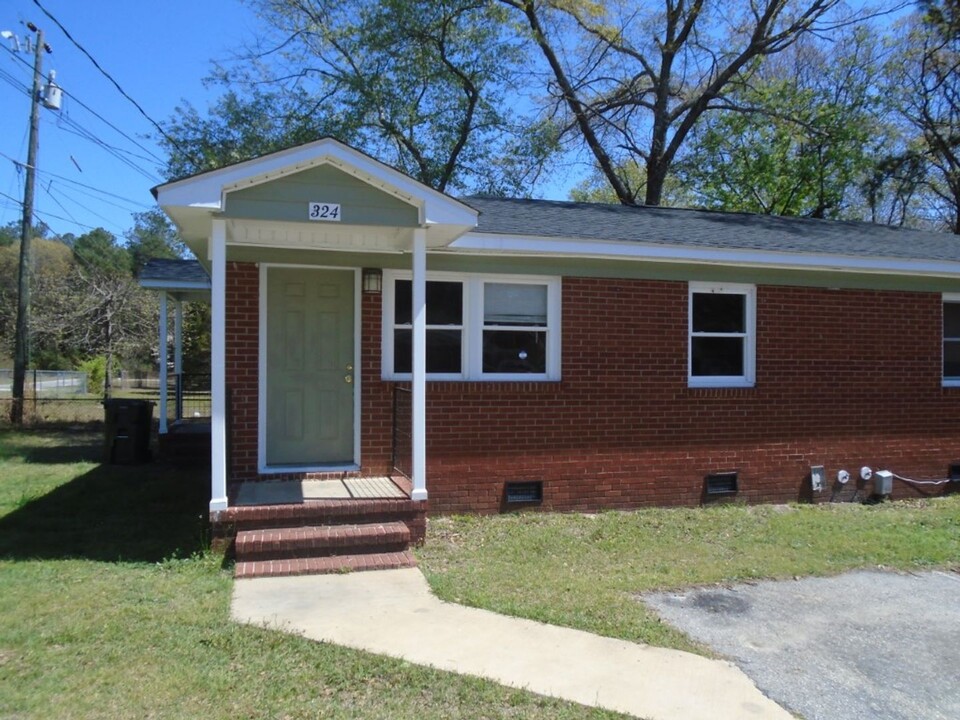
<point x="471" y="355"/>
<point x="750" y="344"/>
<point x="953" y="298"/>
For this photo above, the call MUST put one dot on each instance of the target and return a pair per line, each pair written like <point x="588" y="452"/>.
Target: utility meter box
<point x="882" y="482"/>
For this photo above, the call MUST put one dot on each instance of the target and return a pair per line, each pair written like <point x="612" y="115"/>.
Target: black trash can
<point x="127" y="424"/>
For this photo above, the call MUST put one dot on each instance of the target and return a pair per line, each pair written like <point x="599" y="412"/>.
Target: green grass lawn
<point x="111" y="607"/>
<point x="586" y="571"/>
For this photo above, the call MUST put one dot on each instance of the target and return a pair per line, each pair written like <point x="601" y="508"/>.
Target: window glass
<point x="512" y="351"/>
<point x="716" y="356"/>
<point x="512" y="304"/>
<point x="719" y="312"/>
<point x="951" y="320"/>
<point x="443" y="351"/>
<point x="444" y="303"/>
<point x="477" y="327"/>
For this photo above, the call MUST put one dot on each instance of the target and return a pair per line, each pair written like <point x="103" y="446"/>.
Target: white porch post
<point x="164" y="354"/>
<point x="178" y="337"/>
<point x="218" y="356"/>
<point x="419" y="365"/>
<point x="178" y="351"/>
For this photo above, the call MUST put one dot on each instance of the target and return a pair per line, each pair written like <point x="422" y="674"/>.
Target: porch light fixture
<point x="373" y="280"/>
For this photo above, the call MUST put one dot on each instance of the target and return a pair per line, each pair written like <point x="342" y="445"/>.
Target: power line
<point x="77" y="182"/>
<point x="109" y="77"/>
<point x="46" y="214"/>
<point x="109" y="124"/>
<point x="49" y="191"/>
<point x="74" y="98"/>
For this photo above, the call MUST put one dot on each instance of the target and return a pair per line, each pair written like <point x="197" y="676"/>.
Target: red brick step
<point x="308" y="541"/>
<point x="324" y="565"/>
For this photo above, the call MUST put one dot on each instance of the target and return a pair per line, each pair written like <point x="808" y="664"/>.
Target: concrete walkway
<point x="393" y="613"/>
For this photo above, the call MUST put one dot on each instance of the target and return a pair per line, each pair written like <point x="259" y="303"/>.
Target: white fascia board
<point x="533" y="246"/>
<point x="175" y="284"/>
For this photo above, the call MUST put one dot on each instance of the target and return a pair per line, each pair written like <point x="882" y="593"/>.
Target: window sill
<point x="718" y="383"/>
<point x="482" y="380"/>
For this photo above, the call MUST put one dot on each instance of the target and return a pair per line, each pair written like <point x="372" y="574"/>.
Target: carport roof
<point x="184" y="278"/>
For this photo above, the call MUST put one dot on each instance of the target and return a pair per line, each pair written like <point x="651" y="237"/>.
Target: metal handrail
<point x="402" y="396"/>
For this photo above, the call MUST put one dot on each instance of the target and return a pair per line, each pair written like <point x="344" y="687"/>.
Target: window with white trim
<point x="951" y="339"/>
<point x="722" y="335"/>
<point x="479" y="327"/>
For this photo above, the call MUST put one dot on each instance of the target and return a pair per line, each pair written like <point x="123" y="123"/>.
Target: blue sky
<point x="159" y="52"/>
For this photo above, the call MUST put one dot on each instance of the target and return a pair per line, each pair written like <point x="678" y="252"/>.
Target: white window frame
<point x="747" y="379"/>
<point x="472" y="348"/>
<point x="948" y="299"/>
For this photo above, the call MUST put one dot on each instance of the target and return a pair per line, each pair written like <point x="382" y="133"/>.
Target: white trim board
<point x="533" y="246"/>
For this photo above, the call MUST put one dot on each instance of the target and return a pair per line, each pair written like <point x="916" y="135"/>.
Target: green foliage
<point x="9" y="234"/>
<point x="153" y="236"/>
<point x="112" y="607"/>
<point x="97" y="251"/>
<point x="585" y="571"/>
<point x="799" y="138"/>
<point x="196" y="337"/>
<point x="596" y="189"/>
<point x="96" y="370"/>
<point x="237" y="128"/>
<point x="419" y="84"/>
<point x="923" y="89"/>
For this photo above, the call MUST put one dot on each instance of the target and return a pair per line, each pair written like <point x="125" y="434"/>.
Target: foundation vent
<point x="526" y="491"/>
<point x="724" y="483"/>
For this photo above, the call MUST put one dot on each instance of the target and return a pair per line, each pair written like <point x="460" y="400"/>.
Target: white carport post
<point x="419" y="384"/>
<point x="218" y="356"/>
<point x="164" y="354"/>
<point x="178" y="349"/>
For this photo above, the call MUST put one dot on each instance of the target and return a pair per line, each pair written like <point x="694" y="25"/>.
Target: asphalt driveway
<point x="868" y="645"/>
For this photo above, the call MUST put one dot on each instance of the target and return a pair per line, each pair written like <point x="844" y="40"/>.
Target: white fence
<point x="46" y="383"/>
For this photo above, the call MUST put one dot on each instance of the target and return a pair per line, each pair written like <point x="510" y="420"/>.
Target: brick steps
<point x="321" y="536"/>
<point x="324" y="565"/>
<point x="319" y="512"/>
<point x="327" y="540"/>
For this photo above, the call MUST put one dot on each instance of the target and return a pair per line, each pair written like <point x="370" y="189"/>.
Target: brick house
<point x="498" y="353"/>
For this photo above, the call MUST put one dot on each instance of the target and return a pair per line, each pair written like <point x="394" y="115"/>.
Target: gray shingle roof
<point x="165" y="271"/>
<point x="708" y="230"/>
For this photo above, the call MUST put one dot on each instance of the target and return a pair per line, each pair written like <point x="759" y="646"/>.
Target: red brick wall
<point x="844" y="378"/>
<point x="243" y="352"/>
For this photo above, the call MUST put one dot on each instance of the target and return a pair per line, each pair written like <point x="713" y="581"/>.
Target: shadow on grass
<point x="134" y="513"/>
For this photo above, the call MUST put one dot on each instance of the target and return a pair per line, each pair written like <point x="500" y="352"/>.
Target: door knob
<point x="348" y="379"/>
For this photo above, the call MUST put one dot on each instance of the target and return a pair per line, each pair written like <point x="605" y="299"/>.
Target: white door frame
<point x="262" y="466"/>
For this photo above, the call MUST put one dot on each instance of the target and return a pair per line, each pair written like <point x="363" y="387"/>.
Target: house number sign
<point x="327" y="212"/>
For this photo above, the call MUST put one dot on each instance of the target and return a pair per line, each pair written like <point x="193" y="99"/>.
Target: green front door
<point x="310" y="356"/>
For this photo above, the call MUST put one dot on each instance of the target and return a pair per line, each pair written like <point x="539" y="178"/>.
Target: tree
<point x="924" y="79"/>
<point x="112" y="313"/>
<point x="153" y="236"/>
<point x="420" y="84"/>
<point x="799" y="138"/>
<point x="50" y="271"/>
<point x="98" y="252"/>
<point x="635" y="81"/>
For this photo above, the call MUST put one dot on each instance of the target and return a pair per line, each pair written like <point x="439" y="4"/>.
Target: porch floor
<point x="298" y="491"/>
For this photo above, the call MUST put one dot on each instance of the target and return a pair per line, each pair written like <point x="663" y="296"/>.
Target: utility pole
<point x="21" y="356"/>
